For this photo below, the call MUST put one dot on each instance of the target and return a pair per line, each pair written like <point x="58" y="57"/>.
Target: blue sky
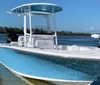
<point x="77" y="15"/>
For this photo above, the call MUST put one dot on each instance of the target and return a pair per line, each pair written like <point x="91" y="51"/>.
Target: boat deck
<point x="93" y="54"/>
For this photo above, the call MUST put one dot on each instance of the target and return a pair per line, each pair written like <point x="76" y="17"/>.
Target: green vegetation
<point x="11" y="30"/>
<point x="40" y="31"/>
<point x="73" y="33"/>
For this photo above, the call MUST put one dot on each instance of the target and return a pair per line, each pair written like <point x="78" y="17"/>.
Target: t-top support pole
<point x="48" y="23"/>
<point x="25" y="29"/>
<point x="30" y="24"/>
<point x="56" y="42"/>
<point x="99" y="42"/>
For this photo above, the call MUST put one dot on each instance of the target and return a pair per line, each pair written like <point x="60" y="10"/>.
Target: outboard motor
<point x="12" y="37"/>
<point x="96" y="81"/>
<point x="96" y="36"/>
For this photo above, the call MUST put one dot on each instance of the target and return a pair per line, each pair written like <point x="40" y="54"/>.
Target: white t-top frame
<point x="46" y="9"/>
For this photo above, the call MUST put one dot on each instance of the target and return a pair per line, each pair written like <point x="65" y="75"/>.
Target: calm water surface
<point x="7" y="78"/>
<point x="67" y="40"/>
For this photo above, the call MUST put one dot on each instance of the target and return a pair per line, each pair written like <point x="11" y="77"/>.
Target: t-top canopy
<point x="37" y="8"/>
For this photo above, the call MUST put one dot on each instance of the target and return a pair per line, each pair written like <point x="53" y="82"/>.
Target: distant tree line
<point x="73" y="33"/>
<point x="17" y="30"/>
<point x="8" y="30"/>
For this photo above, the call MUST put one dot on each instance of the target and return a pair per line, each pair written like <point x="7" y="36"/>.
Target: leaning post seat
<point x="43" y="41"/>
<point x="21" y="40"/>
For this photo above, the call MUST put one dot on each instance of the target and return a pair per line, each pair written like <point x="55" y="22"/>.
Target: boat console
<point x="37" y="9"/>
<point x="37" y="41"/>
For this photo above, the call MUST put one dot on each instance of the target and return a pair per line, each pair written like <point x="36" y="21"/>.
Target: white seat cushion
<point x="73" y="48"/>
<point x="48" y="44"/>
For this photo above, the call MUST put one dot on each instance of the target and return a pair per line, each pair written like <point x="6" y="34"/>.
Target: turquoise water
<point x="7" y="78"/>
<point x="30" y="64"/>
